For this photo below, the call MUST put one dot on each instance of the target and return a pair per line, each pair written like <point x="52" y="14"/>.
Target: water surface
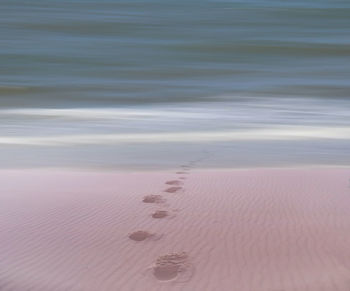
<point x="151" y="83"/>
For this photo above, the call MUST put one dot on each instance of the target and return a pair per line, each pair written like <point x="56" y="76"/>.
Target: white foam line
<point x="100" y="113"/>
<point x="281" y="133"/>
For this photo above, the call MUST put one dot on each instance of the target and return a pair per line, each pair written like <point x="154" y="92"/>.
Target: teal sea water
<point x="151" y="84"/>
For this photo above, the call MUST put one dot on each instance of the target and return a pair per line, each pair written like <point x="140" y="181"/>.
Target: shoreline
<point x="138" y="169"/>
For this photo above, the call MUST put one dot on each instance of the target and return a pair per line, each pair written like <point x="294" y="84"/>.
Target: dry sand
<point x="230" y="230"/>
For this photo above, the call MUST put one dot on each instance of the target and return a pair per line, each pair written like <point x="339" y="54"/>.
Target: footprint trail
<point x="174" y="267"/>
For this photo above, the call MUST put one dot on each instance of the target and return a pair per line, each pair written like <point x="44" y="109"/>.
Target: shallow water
<point x="153" y="83"/>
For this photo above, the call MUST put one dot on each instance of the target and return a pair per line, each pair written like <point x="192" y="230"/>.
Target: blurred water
<point x="150" y="83"/>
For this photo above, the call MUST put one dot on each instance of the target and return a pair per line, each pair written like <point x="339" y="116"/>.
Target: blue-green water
<point x="89" y="83"/>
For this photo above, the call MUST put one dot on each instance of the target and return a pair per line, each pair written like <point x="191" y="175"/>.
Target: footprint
<point x="140" y="235"/>
<point x="183" y="178"/>
<point x="181" y="172"/>
<point x="160" y="214"/>
<point x="172" y="189"/>
<point x="174" y="182"/>
<point x="173" y="267"/>
<point x="153" y="199"/>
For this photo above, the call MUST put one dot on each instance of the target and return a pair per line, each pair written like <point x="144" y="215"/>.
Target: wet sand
<point x="244" y="230"/>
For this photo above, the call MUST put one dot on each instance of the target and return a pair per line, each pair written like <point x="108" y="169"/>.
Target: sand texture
<point x="227" y="230"/>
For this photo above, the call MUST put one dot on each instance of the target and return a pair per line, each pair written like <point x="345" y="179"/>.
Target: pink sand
<point x="234" y="230"/>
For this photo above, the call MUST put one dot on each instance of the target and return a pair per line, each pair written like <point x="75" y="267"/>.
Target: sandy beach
<point x="185" y="229"/>
<point x="174" y="145"/>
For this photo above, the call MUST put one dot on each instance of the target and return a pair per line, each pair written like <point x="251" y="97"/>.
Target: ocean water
<point x="151" y="84"/>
